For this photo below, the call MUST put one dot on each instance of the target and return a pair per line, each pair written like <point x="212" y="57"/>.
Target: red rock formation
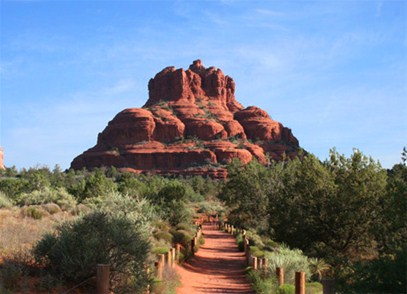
<point x="191" y="124"/>
<point x="1" y="158"/>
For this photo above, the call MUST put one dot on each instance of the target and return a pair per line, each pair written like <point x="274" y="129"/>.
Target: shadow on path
<point x="218" y="266"/>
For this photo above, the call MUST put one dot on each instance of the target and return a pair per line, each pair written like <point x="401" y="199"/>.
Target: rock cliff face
<point x="190" y="125"/>
<point x="1" y="158"/>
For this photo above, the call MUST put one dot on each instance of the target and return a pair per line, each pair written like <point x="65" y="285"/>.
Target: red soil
<point x="218" y="266"/>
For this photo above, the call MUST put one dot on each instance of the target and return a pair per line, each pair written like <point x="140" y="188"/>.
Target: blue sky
<point x="335" y="72"/>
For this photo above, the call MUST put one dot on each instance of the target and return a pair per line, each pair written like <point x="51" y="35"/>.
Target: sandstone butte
<point x="190" y="125"/>
<point x="1" y="158"/>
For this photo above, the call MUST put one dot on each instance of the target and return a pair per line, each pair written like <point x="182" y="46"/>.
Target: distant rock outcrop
<point x="1" y="159"/>
<point x="190" y="125"/>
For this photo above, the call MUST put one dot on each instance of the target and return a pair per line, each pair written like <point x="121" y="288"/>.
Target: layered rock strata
<point x="190" y="125"/>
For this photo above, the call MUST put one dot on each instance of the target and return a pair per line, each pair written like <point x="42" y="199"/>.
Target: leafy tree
<point x="361" y="184"/>
<point x="36" y="178"/>
<point x="129" y="184"/>
<point x="245" y="193"/>
<point x="97" y="184"/>
<point x="299" y="199"/>
<point x="391" y="231"/>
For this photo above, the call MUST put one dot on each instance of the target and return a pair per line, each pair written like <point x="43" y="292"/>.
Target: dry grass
<point x="18" y="233"/>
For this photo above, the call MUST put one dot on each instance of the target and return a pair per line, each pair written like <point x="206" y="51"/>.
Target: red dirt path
<point x="218" y="266"/>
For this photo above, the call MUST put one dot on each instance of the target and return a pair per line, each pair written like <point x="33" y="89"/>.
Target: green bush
<point x="184" y="226"/>
<point x="239" y="242"/>
<point x="255" y="251"/>
<point x="75" y="249"/>
<point x="254" y="239"/>
<point x="33" y="211"/>
<point x="182" y="237"/>
<point x="291" y="260"/>
<point x="80" y="209"/>
<point x="313" y="288"/>
<point x="160" y="250"/>
<point x="5" y="201"/>
<point x="47" y="195"/>
<point x="165" y="236"/>
<point x="262" y="284"/>
<point x="286" y="289"/>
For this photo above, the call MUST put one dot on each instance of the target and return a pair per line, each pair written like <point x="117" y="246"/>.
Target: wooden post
<point x="102" y="278"/>
<point x="193" y="246"/>
<point x="280" y="276"/>
<point x="172" y="257"/>
<point x="178" y="252"/>
<point x="265" y="264"/>
<point x="254" y="258"/>
<point x="299" y="283"/>
<point x="168" y="258"/>
<point x="247" y="247"/>
<point x="260" y="263"/>
<point x="160" y="265"/>
<point x="328" y="286"/>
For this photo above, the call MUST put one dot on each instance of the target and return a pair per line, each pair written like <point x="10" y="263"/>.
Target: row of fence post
<point x="262" y="263"/>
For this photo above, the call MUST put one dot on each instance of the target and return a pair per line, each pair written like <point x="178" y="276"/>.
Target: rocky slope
<point x="191" y="124"/>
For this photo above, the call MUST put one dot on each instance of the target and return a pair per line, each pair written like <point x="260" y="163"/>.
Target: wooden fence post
<point x="247" y="248"/>
<point x="299" y="283"/>
<point x="168" y="258"/>
<point x="172" y="257"/>
<point x="102" y="278"/>
<point x="265" y="264"/>
<point x="254" y="258"/>
<point x="160" y="265"/>
<point x="280" y="276"/>
<point x="260" y="263"/>
<point x="178" y="252"/>
<point x="193" y="246"/>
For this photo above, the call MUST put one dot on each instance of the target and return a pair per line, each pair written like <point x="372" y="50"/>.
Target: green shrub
<point x="254" y="239"/>
<point x="47" y="195"/>
<point x="80" y="209"/>
<point x="271" y="245"/>
<point x="13" y="272"/>
<point x="313" y="288"/>
<point x="240" y="243"/>
<point x="255" y="251"/>
<point x="291" y="260"/>
<point x="201" y="241"/>
<point x="73" y="251"/>
<point x="184" y="226"/>
<point x="262" y="284"/>
<point x="33" y="211"/>
<point x="286" y="289"/>
<point x="5" y="201"/>
<point x="160" y="250"/>
<point x="182" y="237"/>
<point x="165" y="236"/>
<point x="10" y="274"/>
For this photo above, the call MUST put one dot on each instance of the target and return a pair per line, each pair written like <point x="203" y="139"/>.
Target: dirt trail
<point x="218" y="266"/>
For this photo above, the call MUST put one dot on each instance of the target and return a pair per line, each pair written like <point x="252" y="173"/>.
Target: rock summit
<point x="190" y="125"/>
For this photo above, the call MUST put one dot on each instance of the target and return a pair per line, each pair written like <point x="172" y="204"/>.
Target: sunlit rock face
<point x="190" y="125"/>
<point x="1" y="158"/>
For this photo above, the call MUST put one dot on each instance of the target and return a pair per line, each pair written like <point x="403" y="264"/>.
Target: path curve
<point x="218" y="266"/>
